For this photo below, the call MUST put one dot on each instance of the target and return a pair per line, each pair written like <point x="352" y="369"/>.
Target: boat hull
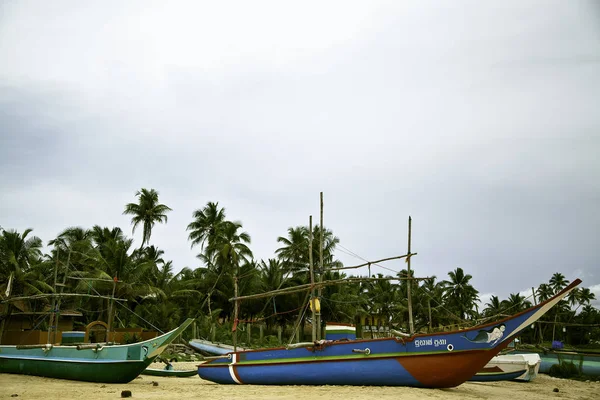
<point x="429" y="370"/>
<point x="105" y="372"/>
<point x="518" y="367"/>
<point x="106" y="364"/>
<point x="438" y="360"/>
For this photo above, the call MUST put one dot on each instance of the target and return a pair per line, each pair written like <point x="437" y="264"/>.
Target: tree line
<point x="89" y="260"/>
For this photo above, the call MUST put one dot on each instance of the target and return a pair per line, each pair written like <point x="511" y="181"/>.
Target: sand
<point x="32" y="387"/>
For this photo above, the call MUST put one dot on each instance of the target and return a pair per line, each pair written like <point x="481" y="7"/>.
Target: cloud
<point x="480" y="123"/>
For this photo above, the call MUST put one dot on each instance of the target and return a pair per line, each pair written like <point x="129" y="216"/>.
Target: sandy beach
<point x="31" y="387"/>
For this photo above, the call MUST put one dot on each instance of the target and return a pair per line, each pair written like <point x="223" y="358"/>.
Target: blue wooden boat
<point x="437" y="360"/>
<point x="93" y="362"/>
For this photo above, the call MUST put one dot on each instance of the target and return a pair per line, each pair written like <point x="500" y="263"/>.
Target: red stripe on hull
<point x="447" y="369"/>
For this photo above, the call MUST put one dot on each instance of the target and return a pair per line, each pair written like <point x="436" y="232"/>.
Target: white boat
<point x="518" y="367"/>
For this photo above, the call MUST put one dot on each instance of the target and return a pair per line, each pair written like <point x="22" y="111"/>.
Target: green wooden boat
<point x="90" y="362"/>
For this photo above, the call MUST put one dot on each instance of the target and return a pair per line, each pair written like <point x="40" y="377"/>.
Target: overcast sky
<point x="479" y="119"/>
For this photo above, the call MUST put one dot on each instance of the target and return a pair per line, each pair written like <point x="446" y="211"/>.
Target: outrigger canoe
<point x="89" y="362"/>
<point x="436" y="360"/>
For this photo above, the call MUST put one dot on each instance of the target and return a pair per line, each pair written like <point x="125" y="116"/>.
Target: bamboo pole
<point x="312" y="279"/>
<point x="110" y="309"/>
<point x="41" y="296"/>
<point x="297" y="325"/>
<point x="307" y="287"/>
<point x="321" y="271"/>
<point x="56" y="311"/>
<point x="50" y="326"/>
<point x="368" y="263"/>
<point x="429" y="308"/>
<point x="7" y="311"/>
<point x="408" y="291"/>
<point x="235" y="309"/>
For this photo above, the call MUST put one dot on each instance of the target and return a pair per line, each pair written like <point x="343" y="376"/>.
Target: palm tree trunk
<point x="429" y="307"/>
<point x="8" y="307"/>
<point x="4" y="319"/>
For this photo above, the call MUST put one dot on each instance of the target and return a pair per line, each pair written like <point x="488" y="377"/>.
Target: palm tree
<point x="18" y="254"/>
<point x="163" y="276"/>
<point x="544" y="292"/>
<point x="343" y="303"/>
<point x="384" y="299"/>
<point x="103" y="235"/>
<point x="516" y="303"/>
<point x="493" y="307"/>
<point x="230" y="248"/>
<point x="428" y="298"/>
<point x="271" y="278"/>
<point x="330" y="243"/>
<point x="580" y="297"/>
<point x="19" y="257"/>
<point x="147" y="211"/>
<point x="586" y="296"/>
<point x="558" y="282"/>
<point x="294" y="252"/>
<point x="69" y="237"/>
<point x="74" y="244"/>
<point x="203" y="229"/>
<point x="460" y="295"/>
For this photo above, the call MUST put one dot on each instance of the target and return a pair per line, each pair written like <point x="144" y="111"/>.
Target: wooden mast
<point x="7" y="311"/>
<point x="408" y="290"/>
<point x="312" y="280"/>
<point x="321" y="271"/>
<point x="111" y="310"/>
<point x="235" y="309"/>
<point x="56" y="311"/>
<point x="539" y="325"/>
<point x="53" y="309"/>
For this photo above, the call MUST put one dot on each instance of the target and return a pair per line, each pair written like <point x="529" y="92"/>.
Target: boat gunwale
<point x="69" y="360"/>
<point x="328" y="359"/>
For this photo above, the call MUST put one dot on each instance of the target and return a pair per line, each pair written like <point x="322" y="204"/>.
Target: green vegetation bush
<point x="129" y="338"/>
<point x="564" y="369"/>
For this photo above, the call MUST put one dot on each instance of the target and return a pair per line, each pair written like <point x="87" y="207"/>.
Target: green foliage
<point x="270" y="341"/>
<point x="565" y="369"/>
<point x="459" y="294"/>
<point x="162" y="298"/>
<point x="147" y="211"/>
<point x="129" y="338"/>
